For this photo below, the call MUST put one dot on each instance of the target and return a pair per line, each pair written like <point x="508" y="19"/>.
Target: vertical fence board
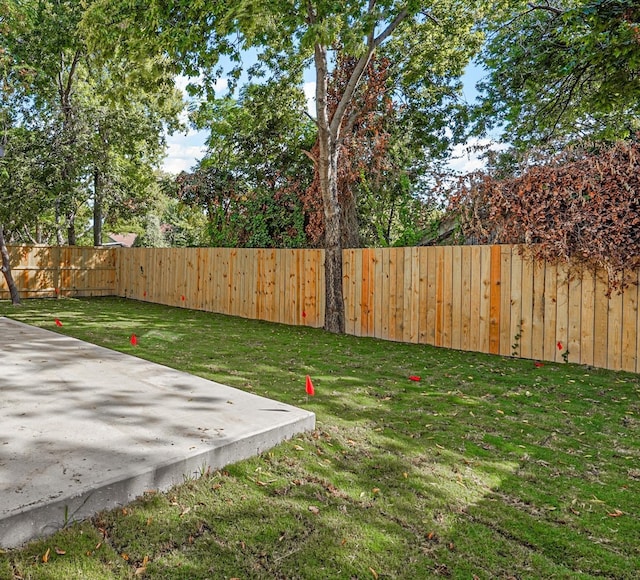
<point x="203" y="279"/>
<point x="550" y="311"/>
<point x="439" y="296"/>
<point x="432" y="307"/>
<point x="208" y="279"/>
<point x="423" y="254"/>
<point x="465" y="299"/>
<point x="505" y="300"/>
<point x="393" y="297"/>
<point x="370" y="256"/>
<point x="308" y="308"/>
<point x="385" y="258"/>
<point x="399" y="315"/>
<point x="485" y="298"/>
<point x="297" y="280"/>
<point x="515" y="333"/>
<point x="526" y="317"/>
<point x="495" y="278"/>
<point x="447" y="301"/>
<point x="601" y="320"/>
<point x="320" y="286"/>
<point x="260" y="281"/>
<point x="269" y="286"/>
<point x="414" y="300"/>
<point x="587" y="317"/>
<point x="358" y="282"/>
<point x="191" y="290"/>
<point x="282" y="276"/>
<point x="537" y="311"/>
<point x="629" y="324"/>
<point x="562" y="311"/>
<point x="348" y="289"/>
<point x="575" y="308"/>
<point x="456" y="298"/>
<point x="366" y="295"/>
<point x="614" y="354"/>
<point x="250" y="287"/>
<point x="362" y="314"/>
<point x="378" y="292"/>
<point x="637" y="370"/>
<point x="407" y="268"/>
<point x="475" y="298"/>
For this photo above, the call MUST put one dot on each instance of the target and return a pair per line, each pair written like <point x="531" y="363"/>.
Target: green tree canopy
<point x="562" y="70"/>
<point x="94" y="120"/>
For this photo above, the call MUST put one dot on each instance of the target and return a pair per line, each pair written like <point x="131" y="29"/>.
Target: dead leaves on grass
<point x="47" y="555"/>
<point x="143" y="566"/>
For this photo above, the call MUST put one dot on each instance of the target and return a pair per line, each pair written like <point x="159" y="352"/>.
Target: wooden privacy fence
<point x="476" y="298"/>
<point x="276" y="285"/>
<point x="491" y="299"/>
<point x="45" y="272"/>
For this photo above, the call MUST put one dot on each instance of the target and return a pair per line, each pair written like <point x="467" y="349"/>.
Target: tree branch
<point x="546" y="7"/>
<point x="392" y="26"/>
<point x="360" y="67"/>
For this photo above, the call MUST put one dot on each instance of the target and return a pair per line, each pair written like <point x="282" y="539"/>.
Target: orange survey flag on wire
<point x="309" y="387"/>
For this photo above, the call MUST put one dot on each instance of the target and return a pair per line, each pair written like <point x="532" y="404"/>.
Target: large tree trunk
<point x="328" y="144"/>
<point x="6" y="270"/>
<point x="328" y="180"/>
<point x="350" y="230"/>
<point x="97" y="209"/>
<point x="71" y="231"/>
<point x="334" y="300"/>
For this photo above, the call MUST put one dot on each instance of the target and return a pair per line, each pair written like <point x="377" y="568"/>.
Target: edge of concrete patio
<point x="84" y="429"/>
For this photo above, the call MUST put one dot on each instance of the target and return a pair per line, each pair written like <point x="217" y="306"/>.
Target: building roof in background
<point x="124" y="240"/>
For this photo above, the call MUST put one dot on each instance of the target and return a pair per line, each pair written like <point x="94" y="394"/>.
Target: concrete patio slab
<point x="84" y="428"/>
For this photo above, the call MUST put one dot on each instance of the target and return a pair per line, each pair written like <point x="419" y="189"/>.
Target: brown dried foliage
<point x="582" y="208"/>
<point x="364" y="144"/>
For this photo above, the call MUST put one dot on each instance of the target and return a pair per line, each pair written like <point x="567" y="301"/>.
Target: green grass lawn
<point x="487" y="467"/>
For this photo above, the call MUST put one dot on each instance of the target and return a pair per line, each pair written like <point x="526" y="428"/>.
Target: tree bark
<point x="6" y="270"/>
<point x="334" y="299"/>
<point x="97" y="209"/>
<point x="59" y="237"/>
<point x="71" y="231"/>
<point x="328" y="181"/>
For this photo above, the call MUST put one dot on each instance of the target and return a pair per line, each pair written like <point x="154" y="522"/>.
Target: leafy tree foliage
<point x="247" y="182"/>
<point x="562" y="70"/>
<point x="363" y="146"/>
<point x="582" y="207"/>
<point x="79" y="126"/>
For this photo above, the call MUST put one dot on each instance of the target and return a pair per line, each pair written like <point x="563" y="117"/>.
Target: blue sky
<point x="184" y="150"/>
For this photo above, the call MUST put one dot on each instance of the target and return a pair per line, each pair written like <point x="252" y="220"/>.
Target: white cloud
<point x="184" y="151"/>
